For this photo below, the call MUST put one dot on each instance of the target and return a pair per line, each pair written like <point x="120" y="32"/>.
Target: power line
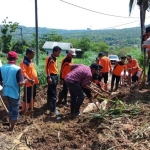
<point x="96" y="11"/>
<point x="124" y="24"/>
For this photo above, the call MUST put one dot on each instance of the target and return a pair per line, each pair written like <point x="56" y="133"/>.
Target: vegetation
<point x="7" y="29"/>
<point x="119" y="42"/>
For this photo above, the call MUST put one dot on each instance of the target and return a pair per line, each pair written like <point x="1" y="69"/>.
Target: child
<point x="116" y="73"/>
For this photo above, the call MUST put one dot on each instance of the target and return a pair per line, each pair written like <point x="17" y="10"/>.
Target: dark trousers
<point x="105" y="76"/>
<point x="64" y="91"/>
<point x="29" y="93"/>
<point x="134" y="78"/>
<point x="52" y="93"/>
<point x="87" y="92"/>
<point x="117" y="78"/>
<point x="148" y="74"/>
<point x="77" y="96"/>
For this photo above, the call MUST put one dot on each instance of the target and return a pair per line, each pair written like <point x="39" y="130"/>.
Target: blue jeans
<point x="13" y="107"/>
<point x="77" y="96"/>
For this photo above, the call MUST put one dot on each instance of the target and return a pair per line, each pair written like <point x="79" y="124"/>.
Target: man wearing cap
<point x="79" y="77"/>
<point x="106" y="64"/>
<point x="146" y="45"/>
<point x="65" y="69"/>
<point x="51" y="71"/>
<point x="11" y="79"/>
<point x="29" y="72"/>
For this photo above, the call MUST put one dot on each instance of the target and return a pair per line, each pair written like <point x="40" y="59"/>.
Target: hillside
<point x="113" y="37"/>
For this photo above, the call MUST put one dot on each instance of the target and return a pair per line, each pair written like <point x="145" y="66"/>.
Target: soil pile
<point x="128" y="129"/>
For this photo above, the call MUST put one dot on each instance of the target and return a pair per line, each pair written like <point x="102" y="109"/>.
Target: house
<point x="48" y="46"/>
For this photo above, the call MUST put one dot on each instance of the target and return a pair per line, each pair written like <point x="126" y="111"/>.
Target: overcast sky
<point x="60" y="15"/>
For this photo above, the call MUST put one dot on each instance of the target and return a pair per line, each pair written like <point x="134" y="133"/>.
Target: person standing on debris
<point x="29" y="72"/>
<point x="52" y="79"/>
<point x="146" y="38"/>
<point x="133" y="69"/>
<point x="11" y="78"/>
<point x="116" y="73"/>
<point x="65" y="69"/>
<point x="79" y="77"/>
<point x="106" y="64"/>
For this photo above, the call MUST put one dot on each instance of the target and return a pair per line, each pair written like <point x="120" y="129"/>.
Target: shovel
<point x="3" y="104"/>
<point x="32" y="90"/>
<point x="96" y="93"/>
<point x="27" y="113"/>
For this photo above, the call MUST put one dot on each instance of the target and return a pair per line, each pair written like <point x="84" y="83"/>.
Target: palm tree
<point x="143" y="5"/>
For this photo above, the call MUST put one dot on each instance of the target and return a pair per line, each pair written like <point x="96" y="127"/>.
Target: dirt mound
<point x="128" y="129"/>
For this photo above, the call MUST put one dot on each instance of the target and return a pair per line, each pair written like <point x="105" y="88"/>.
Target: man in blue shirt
<point x="11" y="79"/>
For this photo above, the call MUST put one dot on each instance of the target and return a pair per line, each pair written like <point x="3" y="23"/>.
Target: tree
<point x="17" y="46"/>
<point x="99" y="47"/>
<point x="143" y="5"/>
<point x="84" y="43"/>
<point x="49" y="37"/>
<point x="7" y="29"/>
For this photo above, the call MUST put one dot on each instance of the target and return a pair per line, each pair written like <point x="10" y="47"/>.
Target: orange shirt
<point x="65" y="66"/>
<point x="106" y="64"/>
<point x="134" y="65"/>
<point x="28" y="69"/>
<point x="51" y="65"/>
<point x="118" y="68"/>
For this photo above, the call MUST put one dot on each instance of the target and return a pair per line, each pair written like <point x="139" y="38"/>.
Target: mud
<point x="128" y="129"/>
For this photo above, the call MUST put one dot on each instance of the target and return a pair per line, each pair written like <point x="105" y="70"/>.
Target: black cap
<point x="100" y="54"/>
<point x="147" y="29"/>
<point x="123" y="57"/>
<point x="96" y="66"/>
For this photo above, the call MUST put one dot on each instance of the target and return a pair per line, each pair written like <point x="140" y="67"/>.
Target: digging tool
<point x="26" y="106"/>
<point x="143" y="72"/>
<point x="3" y="104"/>
<point x="98" y="94"/>
<point x="97" y="88"/>
<point x="32" y="101"/>
<point x="25" y="97"/>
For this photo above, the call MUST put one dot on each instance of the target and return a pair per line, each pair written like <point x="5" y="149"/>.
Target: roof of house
<point x="64" y="46"/>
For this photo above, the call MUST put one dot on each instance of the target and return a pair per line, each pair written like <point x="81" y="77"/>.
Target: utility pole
<point x="36" y="30"/>
<point x="21" y="38"/>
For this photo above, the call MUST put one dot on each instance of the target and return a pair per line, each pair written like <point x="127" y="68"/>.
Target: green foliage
<point x="99" y="47"/>
<point x="8" y="28"/>
<point x="18" y="46"/>
<point x="84" y="43"/>
<point x="49" y="37"/>
<point x="74" y="42"/>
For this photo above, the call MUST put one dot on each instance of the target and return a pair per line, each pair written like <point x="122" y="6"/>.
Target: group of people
<point x="75" y="78"/>
<point x="129" y="70"/>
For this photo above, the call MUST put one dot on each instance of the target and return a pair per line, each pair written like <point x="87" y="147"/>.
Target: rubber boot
<point x="23" y="106"/>
<point x="111" y="89"/>
<point x="30" y="104"/>
<point x="65" y="100"/>
<point x="116" y="88"/>
<point x="105" y="86"/>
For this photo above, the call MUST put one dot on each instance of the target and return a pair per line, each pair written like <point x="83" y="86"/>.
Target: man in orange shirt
<point x="52" y="79"/>
<point x="29" y="72"/>
<point x="106" y="68"/>
<point x="133" y="69"/>
<point x="65" y="69"/>
<point x="116" y="73"/>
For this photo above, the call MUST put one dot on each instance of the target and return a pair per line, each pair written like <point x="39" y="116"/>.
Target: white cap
<point x="72" y="51"/>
